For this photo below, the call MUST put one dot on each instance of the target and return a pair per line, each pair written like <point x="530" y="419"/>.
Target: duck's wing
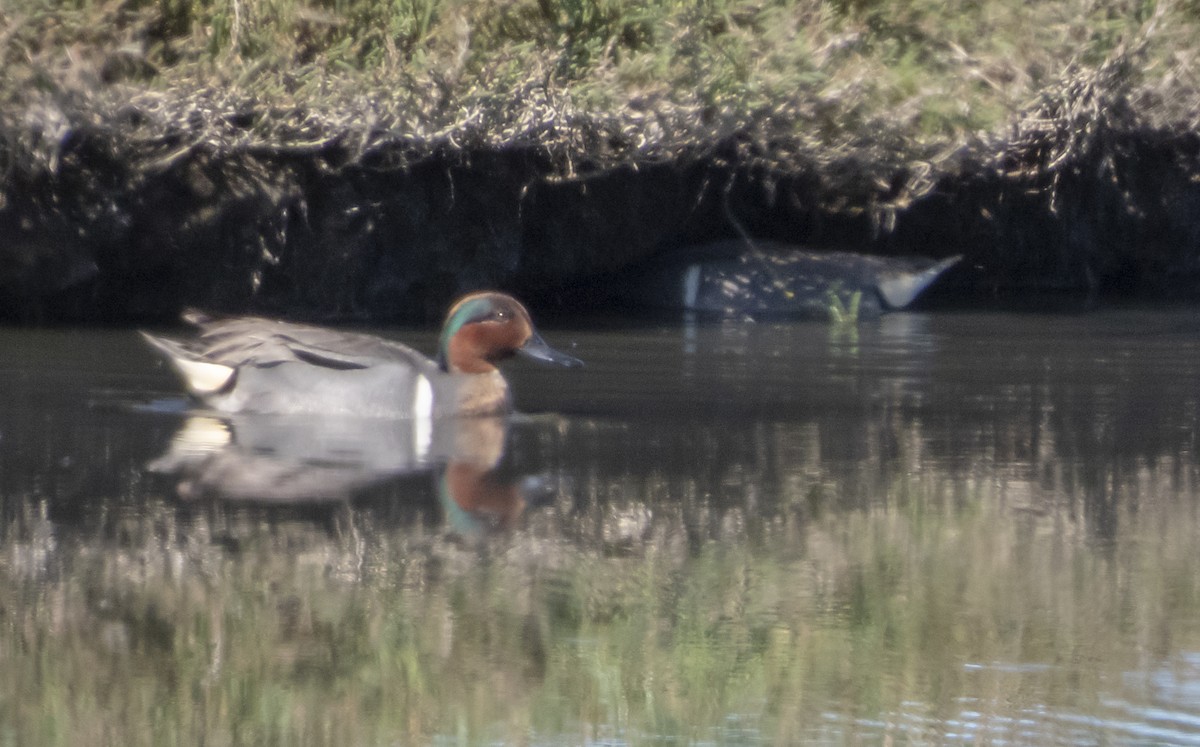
<point x="262" y="342"/>
<point x="208" y="362"/>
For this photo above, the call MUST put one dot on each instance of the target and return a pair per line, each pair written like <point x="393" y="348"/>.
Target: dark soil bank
<point x="98" y="226"/>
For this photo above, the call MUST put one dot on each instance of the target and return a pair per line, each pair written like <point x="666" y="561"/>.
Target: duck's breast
<point x="470" y="394"/>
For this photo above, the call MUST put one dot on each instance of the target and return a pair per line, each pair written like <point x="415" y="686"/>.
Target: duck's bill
<point x="537" y="349"/>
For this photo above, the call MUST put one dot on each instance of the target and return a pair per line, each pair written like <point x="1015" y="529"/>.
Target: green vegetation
<point x="277" y="133"/>
<point x="950" y="593"/>
<point x="843" y="306"/>
<point x="912" y="75"/>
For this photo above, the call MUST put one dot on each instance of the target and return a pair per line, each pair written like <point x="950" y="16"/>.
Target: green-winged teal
<point x="251" y="364"/>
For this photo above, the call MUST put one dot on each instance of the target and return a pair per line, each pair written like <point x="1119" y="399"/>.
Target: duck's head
<point x="482" y="329"/>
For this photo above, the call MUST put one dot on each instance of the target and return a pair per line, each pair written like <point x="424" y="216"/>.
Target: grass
<point x="283" y="134"/>
<point x="843" y="307"/>
<point x="923" y="75"/>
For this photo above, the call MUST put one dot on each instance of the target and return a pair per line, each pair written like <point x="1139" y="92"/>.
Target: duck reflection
<point x="476" y="500"/>
<point x="292" y="460"/>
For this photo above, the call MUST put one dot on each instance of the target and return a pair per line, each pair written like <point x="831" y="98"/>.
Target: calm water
<point x="935" y="529"/>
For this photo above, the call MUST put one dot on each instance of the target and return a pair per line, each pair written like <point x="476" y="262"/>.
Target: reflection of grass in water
<point x="299" y="637"/>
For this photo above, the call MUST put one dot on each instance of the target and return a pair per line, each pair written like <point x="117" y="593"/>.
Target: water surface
<point x="932" y="528"/>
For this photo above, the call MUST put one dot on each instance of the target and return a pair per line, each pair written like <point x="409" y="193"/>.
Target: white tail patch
<point x="202" y="377"/>
<point x="902" y="289"/>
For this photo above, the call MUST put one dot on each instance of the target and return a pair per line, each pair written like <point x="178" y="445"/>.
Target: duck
<point x="741" y="277"/>
<point x="265" y="366"/>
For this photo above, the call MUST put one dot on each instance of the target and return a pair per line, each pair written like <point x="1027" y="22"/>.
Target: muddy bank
<point x="107" y="215"/>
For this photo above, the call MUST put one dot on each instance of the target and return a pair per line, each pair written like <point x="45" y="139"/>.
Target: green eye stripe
<point x="471" y="311"/>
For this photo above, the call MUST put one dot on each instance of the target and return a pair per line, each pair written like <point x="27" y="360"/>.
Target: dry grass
<point x="900" y="81"/>
<point x="853" y="110"/>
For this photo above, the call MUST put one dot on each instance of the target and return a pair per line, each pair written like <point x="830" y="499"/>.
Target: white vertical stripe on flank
<point x="422" y="416"/>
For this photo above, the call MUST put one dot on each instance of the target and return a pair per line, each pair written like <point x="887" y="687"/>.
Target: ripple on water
<point x="1158" y="706"/>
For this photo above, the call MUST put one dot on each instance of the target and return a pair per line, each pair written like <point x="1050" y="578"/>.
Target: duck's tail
<point x="901" y="289"/>
<point x="202" y="377"/>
